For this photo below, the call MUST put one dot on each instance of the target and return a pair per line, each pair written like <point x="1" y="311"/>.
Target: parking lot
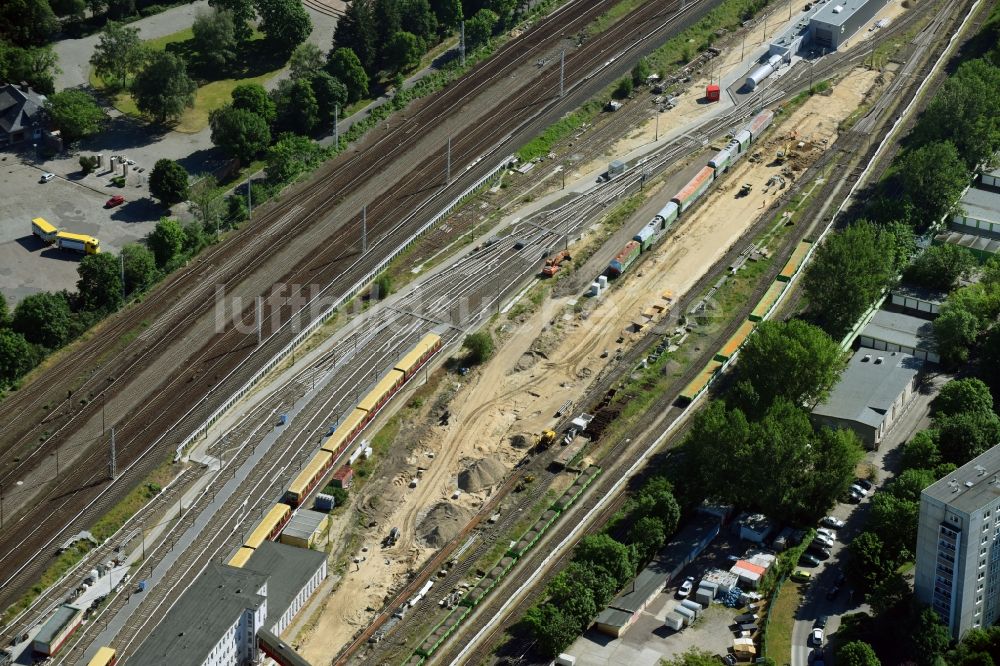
<point x="72" y="203"/>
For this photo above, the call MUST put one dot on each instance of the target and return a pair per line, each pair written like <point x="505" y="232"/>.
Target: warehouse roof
<point x="867" y="389"/>
<point x="901" y="329"/>
<point x="971" y="486"/>
<point x="830" y="14"/>
<point x="933" y="296"/>
<point x="304" y="524"/>
<point x="201" y="617"/>
<point x="611" y="617"/>
<point x="288" y="569"/>
<point x="981" y="204"/>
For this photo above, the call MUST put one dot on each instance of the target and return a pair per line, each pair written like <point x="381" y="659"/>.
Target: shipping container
<point x="645" y="237"/>
<point x="721" y="161"/>
<point x="695" y="188"/>
<point x="342" y="477"/>
<point x="57" y="630"/>
<point x="78" y="243"/>
<point x="759" y="124"/>
<point x="624" y="259"/>
<point x="673" y="621"/>
<point x="744" y="139"/>
<point x="41" y="228"/>
<point x="667" y="215"/>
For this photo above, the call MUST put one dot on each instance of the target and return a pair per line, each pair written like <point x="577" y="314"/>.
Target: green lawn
<point x="781" y="619"/>
<point x="210" y="95"/>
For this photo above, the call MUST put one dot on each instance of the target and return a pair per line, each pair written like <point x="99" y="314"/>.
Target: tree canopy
<point x="479" y="28"/>
<point x="168" y="182"/>
<point x="963" y="395"/>
<point x="75" y="113"/>
<point x="27" y="22"/>
<point x="298" y="110"/>
<point x="139" y="267"/>
<point x="934" y="178"/>
<point x="403" y="51"/>
<point x="253" y="98"/>
<point x="17" y="356"/>
<point x="480" y="346"/>
<point x="356" y="32"/>
<point x="240" y="133"/>
<point x="100" y="283"/>
<point x="166" y="242"/>
<point x="119" y="53"/>
<point x="290" y="156"/>
<point x="43" y="319"/>
<point x="163" y="89"/>
<point x="344" y="65"/>
<point x="940" y="266"/>
<point x="215" y="38"/>
<point x="285" y="23"/>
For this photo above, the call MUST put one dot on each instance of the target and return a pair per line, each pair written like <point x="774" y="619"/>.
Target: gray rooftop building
<point x="958" y="545"/>
<point x="873" y="391"/>
<point x="895" y="331"/>
<point x="293" y="575"/>
<point x="978" y="213"/>
<point x="20" y="114"/>
<point x="919" y="301"/>
<point x="839" y="19"/>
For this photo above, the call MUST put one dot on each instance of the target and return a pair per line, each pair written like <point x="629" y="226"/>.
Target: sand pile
<point x="480" y="475"/>
<point x="442" y="524"/>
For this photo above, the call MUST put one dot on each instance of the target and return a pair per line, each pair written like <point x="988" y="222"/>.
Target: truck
<point x="78" y="243"/>
<point x="546" y="439"/>
<point x="554" y="263"/>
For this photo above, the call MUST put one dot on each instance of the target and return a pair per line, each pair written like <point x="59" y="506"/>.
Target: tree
<point x="479" y="28"/>
<point x="206" y="204"/>
<point x="869" y="563"/>
<point x="43" y="319"/>
<point x="119" y="53"/>
<point x="306" y="61"/>
<point x="35" y="65"/>
<point x="163" y="89"/>
<point x="648" y="535"/>
<point x="382" y="287"/>
<point x="480" y="346"/>
<point x="792" y="360"/>
<point x="553" y="630"/>
<point x="656" y="499"/>
<point x="345" y="66"/>
<point x="929" y="638"/>
<point x="448" y="13"/>
<point x="27" y="22"/>
<point x="403" y="51"/>
<point x="4" y="312"/>
<point x="965" y="435"/>
<point x="166" y="241"/>
<point x="168" y="182"/>
<point x="215" y="38"/>
<point x="894" y="519"/>
<point x="100" y="283"/>
<point x="194" y="238"/>
<point x="243" y="15"/>
<point x="955" y="331"/>
<point x="940" y="266"/>
<point x="290" y="156"/>
<point x="504" y="9"/>
<point x="239" y="133"/>
<point x="75" y="113"/>
<point x="331" y="97"/>
<point x="419" y="18"/>
<point x="298" y="110"/>
<point x="602" y="551"/>
<point x="963" y="395"/>
<point x="140" y="268"/>
<point x="922" y="451"/>
<point x="17" y="356"/>
<point x="74" y="8"/>
<point x="641" y="72"/>
<point x="889" y="593"/>
<point x="933" y="177"/>
<point x="285" y="23"/>
<point x="847" y="273"/>
<point x="388" y="21"/>
<point x="693" y="657"/>
<point x="909" y="484"/>
<point x="237" y="210"/>
<point x="253" y="98"/>
<point x="356" y="31"/>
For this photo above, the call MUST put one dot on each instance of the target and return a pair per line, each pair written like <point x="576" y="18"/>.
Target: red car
<point x="116" y="200"/>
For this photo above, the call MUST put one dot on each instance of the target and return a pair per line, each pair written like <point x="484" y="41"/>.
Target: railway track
<point x="204" y="376"/>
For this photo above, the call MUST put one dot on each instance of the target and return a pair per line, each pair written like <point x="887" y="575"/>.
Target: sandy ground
<point x="546" y="359"/>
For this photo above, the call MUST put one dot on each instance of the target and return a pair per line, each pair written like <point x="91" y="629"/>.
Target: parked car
<point x="801" y="576"/>
<point x="116" y="200"/>
<point x="821" y="622"/>
<point x="856" y="494"/>
<point x="865" y="484"/>
<point x="46" y="177"/>
<point x="830" y="521"/>
<point x="816" y="637"/>
<point x="685" y="589"/>
<point x="729" y="659"/>
<point x="808" y="560"/>
<point x="827" y="532"/>
<point x="823" y="540"/>
<point x="819" y="552"/>
<point x="855" y="488"/>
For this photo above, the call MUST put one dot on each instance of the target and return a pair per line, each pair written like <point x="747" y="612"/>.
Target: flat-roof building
<point x="978" y="213"/>
<point x="917" y="301"/>
<point x="895" y="331"/>
<point x="958" y="545"/>
<point x="832" y="25"/>
<point x="293" y="575"/>
<point x="305" y="528"/>
<point x="873" y="390"/>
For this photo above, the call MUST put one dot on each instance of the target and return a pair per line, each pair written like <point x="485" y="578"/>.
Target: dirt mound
<point x="442" y="524"/>
<point x="481" y="474"/>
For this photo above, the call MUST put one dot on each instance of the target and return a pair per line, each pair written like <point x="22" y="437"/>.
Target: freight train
<point x="647" y="236"/>
<point x="338" y="439"/>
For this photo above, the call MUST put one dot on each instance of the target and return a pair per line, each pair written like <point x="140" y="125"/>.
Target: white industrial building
<point x="918" y="301"/>
<point x="838" y="20"/>
<point x="958" y="545"/>
<point x="873" y="391"/>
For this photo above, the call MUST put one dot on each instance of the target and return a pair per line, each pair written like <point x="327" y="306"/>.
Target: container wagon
<point x="667" y="215"/>
<point x="41" y="228"/>
<point x="624" y="259"/>
<point x="270" y="525"/>
<point x="795" y="261"/>
<point x="766" y="304"/>
<point x="736" y="342"/>
<point x="694" y="189"/>
<point x="105" y="657"/>
<point x="759" y="124"/>
<point x="78" y="243"/>
<point x="700" y="383"/>
<point x="307" y="479"/>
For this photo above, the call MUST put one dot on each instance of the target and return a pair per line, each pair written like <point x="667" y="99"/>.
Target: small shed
<point x="712" y="92"/>
<point x="342" y="477"/>
<point x="756" y="528"/>
<point x="305" y="528"/>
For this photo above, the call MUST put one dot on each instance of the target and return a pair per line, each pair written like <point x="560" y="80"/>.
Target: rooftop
<point x="200" y="618"/>
<point x="867" y="389"/>
<point x="847" y="9"/>
<point x="972" y="486"/>
<point x="287" y="569"/>
<point x="901" y="329"/>
<point x="18" y="107"/>
<point x="63" y="616"/>
<point x="981" y="204"/>
<point x="924" y="294"/>
<point x="984" y="243"/>
<point x="304" y="524"/>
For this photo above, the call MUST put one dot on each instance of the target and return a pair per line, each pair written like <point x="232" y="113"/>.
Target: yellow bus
<point x="104" y="657"/>
<point x="41" y="228"/>
<point x="78" y="243"/>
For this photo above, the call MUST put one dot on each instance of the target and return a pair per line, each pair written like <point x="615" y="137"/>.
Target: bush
<point x="624" y="88"/>
<point x="480" y="346"/>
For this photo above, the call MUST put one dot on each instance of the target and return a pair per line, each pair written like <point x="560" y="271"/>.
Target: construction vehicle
<point x="745" y="190"/>
<point x="782" y="154"/>
<point x="554" y="263"/>
<point x="546" y="439"/>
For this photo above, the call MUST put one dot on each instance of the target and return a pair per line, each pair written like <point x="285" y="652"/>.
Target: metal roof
<point x="847" y="9"/>
<point x="288" y="569"/>
<point x="304" y="524"/>
<point x="201" y="617"/>
<point x="981" y="204"/>
<point x="972" y="486"/>
<point x="62" y="617"/>
<point x="901" y="329"/>
<point x="867" y="389"/>
<point x="933" y="296"/>
<point x="969" y="241"/>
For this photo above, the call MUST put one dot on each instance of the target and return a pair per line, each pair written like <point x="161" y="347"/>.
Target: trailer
<point x="41" y="228"/>
<point x="695" y="188"/>
<point x="624" y="259"/>
<point x="78" y="243"/>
